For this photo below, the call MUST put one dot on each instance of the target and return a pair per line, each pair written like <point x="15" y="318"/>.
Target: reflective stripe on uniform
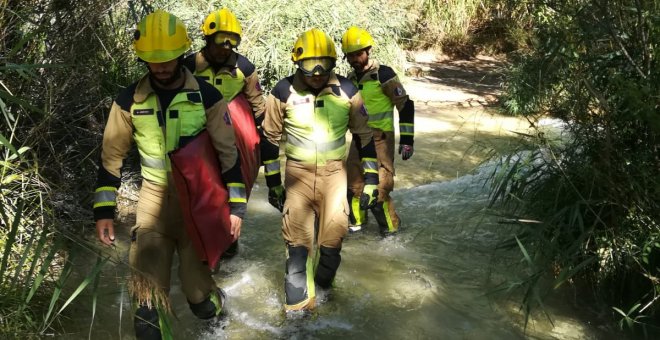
<point x="272" y="167"/>
<point x="380" y="116"/>
<point x="320" y="147"/>
<point x="359" y="215"/>
<point x="407" y="129"/>
<point x="386" y="210"/>
<point x="105" y="197"/>
<point x="370" y="165"/>
<point x="153" y="163"/>
<point x="237" y="193"/>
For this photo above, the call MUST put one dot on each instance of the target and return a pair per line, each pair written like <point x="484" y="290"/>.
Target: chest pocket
<point x="186" y="115"/>
<point x="230" y="83"/>
<point x="300" y="115"/>
<point x="147" y="127"/>
<point x="334" y="112"/>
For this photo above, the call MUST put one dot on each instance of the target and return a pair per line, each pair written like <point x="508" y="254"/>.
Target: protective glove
<point x="276" y="197"/>
<point x="369" y="196"/>
<point x="406" y="151"/>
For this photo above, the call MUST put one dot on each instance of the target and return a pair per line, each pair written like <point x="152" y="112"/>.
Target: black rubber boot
<point x="327" y="267"/>
<point x="211" y="307"/>
<point x="351" y="216"/>
<point x="295" y="280"/>
<point x="146" y="324"/>
<point x="379" y="213"/>
<point x="231" y="251"/>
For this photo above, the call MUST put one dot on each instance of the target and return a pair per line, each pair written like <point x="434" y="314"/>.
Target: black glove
<point x="276" y="197"/>
<point x="406" y="151"/>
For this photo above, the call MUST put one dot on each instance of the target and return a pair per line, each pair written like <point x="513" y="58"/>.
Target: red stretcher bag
<point x="202" y="193"/>
<point x="247" y="139"/>
<point x="203" y="198"/>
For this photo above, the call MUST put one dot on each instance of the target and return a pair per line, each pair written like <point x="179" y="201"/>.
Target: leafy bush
<point x="594" y="66"/>
<point x="61" y="64"/>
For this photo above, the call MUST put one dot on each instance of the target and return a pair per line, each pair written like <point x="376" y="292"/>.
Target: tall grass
<point x="597" y="192"/>
<point x="463" y="28"/>
<point x="55" y="87"/>
<point x="270" y="28"/>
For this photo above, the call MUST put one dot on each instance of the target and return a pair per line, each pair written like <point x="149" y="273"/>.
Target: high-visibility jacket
<point x="236" y="75"/>
<point x="136" y="115"/>
<point x="314" y="123"/>
<point x="382" y="91"/>
<point x="184" y="117"/>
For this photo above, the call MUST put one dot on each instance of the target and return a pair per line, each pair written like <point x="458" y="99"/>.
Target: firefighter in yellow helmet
<point x="382" y="92"/>
<point x="159" y="112"/>
<point x="313" y="109"/>
<point x="230" y="72"/>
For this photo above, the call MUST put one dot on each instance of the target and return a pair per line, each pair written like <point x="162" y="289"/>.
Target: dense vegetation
<point x="595" y="193"/>
<point x="591" y="64"/>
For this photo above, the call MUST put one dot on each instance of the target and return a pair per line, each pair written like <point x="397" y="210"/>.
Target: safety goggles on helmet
<point x="224" y="38"/>
<point x="316" y="66"/>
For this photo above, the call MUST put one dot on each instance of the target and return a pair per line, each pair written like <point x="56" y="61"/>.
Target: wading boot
<point x="231" y="251"/>
<point x="147" y="324"/>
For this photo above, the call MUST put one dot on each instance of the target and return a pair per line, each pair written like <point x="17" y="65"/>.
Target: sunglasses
<point x="316" y="66"/>
<point x="222" y="38"/>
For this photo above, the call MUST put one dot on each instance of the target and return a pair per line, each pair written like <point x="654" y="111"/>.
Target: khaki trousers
<point x="159" y="232"/>
<point x="315" y="192"/>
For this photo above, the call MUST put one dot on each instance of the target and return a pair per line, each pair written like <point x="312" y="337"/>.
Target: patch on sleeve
<point x="398" y="91"/>
<point x="363" y="111"/>
<point x="226" y="118"/>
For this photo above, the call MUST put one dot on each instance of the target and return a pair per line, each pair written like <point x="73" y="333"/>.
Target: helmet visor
<point x="316" y="66"/>
<point x="224" y="39"/>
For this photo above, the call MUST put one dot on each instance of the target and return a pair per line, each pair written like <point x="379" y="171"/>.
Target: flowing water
<point x="434" y="280"/>
<point x="431" y="281"/>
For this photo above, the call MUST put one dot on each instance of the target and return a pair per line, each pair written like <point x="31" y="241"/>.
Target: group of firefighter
<point x="325" y="193"/>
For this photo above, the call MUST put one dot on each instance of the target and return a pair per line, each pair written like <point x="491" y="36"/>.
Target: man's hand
<point x="236" y="223"/>
<point x="369" y="196"/>
<point x="276" y="197"/>
<point x="105" y="231"/>
<point x="406" y="151"/>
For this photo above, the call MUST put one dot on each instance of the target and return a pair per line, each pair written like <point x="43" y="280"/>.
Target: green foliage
<point x="463" y="28"/>
<point x="57" y="73"/>
<point x="271" y="27"/>
<point x="593" y="66"/>
<point x="433" y="21"/>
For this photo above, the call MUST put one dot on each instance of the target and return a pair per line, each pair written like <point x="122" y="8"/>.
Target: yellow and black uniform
<point x="160" y="121"/>
<point x="236" y="75"/>
<point x="231" y="73"/>
<point x="382" y="91"/>
<point x="314" y="123"/>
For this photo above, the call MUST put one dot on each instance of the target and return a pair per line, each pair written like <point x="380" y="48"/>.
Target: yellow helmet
<point x="160" y="37"/>
<point x="313" y="44"/>
<point x="355" y="39"/>
<point x="222" y="20"/>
